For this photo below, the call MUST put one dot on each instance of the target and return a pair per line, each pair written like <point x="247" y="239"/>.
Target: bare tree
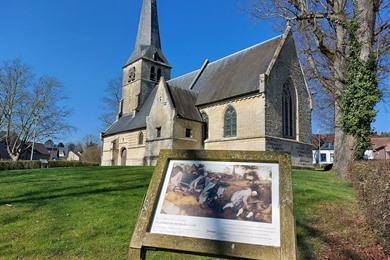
<point x="110" y="102"/>
<point x="32" y="108"/>
<point x="91" y="149"/>
<point x="323" y="110"/>
<point x="322" y="34"/>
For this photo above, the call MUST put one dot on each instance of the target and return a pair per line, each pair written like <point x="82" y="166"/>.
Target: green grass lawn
<point x="89" y="213"/>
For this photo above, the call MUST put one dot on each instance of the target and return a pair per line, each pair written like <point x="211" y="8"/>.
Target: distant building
<point x="57" y="152"/>
<point x="380" y="149"/>
<point x="323" y="149"/>
<point x="40" y="152"/>
<point x="74" y="156"/>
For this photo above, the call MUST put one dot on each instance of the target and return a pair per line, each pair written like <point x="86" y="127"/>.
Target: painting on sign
<point x="239" y="192"/>
<point x="230" y="201"/>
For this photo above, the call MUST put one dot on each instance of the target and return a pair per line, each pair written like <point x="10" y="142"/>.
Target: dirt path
<point x="340" y="232"/>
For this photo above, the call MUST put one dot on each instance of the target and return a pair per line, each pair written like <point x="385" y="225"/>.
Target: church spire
<point x="148" y="44"/>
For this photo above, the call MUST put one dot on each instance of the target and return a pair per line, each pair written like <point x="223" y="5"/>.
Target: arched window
<point x="230" y="122"/>
<point x="131" y="75"/>
<point x="153" y="74"/>
<point x="156" y="57"/>
<point x="288" y="110"/>
<point x="158" y="74"/>
<point x="205" y="128"/>
<point x="123" y="156"/>
<point x="141" y="138"/>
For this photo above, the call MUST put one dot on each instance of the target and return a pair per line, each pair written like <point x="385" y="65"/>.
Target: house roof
<point x="40" y="148"/>
<point x="2" y="135"/>
<point x="325" y="139"/>
<point x="380" y="142"/>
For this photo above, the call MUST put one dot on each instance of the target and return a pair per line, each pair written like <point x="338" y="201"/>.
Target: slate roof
<point x="184" y="102"/>
<point x="148" y="36"/>
<point x="232" y="76"/>
<point x="128" y="122"/>
<point x="183" y="81"/>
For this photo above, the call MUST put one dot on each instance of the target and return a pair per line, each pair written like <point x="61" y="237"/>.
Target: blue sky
<point x="85" y="43"/>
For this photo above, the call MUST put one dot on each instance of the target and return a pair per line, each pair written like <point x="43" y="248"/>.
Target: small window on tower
<point x="158" y="74"/>
<point x="188" y="133"/>
<point x="157" y="57"/>
<point x="153" y="74"/>
<point x="121" y="109"/>
<point x="158" y="131"/>
<point x="131" y="75"/>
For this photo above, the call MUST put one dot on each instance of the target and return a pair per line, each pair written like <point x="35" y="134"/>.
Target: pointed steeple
<point x="148" y="44"/>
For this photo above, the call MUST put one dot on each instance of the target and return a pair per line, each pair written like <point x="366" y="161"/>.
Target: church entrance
<point x="123" y="156"/>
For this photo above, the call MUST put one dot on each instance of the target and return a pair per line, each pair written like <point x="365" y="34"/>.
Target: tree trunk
<point x="366" y="26"/>
<point x="14" y="157"/>
<point x="343" y="143"/>
<point x="343" y="146"/>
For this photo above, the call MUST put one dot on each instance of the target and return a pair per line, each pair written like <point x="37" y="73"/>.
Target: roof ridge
<point x="229" y="56"/>
<point x="183" y="89"/>
<point x="181" y="76"/>
<point x="246" y="49"/>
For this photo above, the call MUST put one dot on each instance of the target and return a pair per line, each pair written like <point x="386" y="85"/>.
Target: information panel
<point x="224" y="201"/>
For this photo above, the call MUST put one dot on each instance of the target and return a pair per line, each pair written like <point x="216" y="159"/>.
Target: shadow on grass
<point x="72" y="194"/>
<point x="307" y="251"/>
<point x="48" y="189"/>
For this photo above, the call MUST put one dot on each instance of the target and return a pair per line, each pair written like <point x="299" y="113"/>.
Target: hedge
<point x="56" y="164"/>
<point x="372" y="181"/>
<point x="20" y="165"/>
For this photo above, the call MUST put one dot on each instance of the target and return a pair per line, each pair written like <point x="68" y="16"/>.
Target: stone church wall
<point x="161" y="116"/>
<point x="179" y="133"/>
<point x="287" y="65"/>
<point x="129" y="141"/>
<point x="250" y="126"/>
<point x="301" y="153"/>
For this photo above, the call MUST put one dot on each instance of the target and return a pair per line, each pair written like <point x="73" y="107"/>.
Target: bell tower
<point x="146" y="64"/>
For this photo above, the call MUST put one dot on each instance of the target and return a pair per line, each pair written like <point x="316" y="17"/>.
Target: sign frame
<point x="142" y="240"/>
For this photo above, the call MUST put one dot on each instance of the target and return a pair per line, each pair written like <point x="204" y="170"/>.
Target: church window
<point x="288" y="110"/>
<point x="153" y="74"/>
<point x="158" y="74"/>
<point x="230" y="122"/>
<point x="158" y="131"/>
<point x="188" y="133"/>
<point x="205" y="128"/>
<point x="131" y="75"/>
<point x="156" y="57"/>
<point x="140" y="138"/>
<point x="121" y="109"/>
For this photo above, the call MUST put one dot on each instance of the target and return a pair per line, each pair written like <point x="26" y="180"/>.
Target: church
<point x="256" y="99"/>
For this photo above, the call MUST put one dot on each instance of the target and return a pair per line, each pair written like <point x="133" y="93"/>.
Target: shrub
<point x="21" y="165"/>
<point x="56" y="164"/>
<point x="372" y="181"/>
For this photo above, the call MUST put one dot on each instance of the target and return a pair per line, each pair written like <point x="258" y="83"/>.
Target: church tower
<point x="146" y="64"/>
